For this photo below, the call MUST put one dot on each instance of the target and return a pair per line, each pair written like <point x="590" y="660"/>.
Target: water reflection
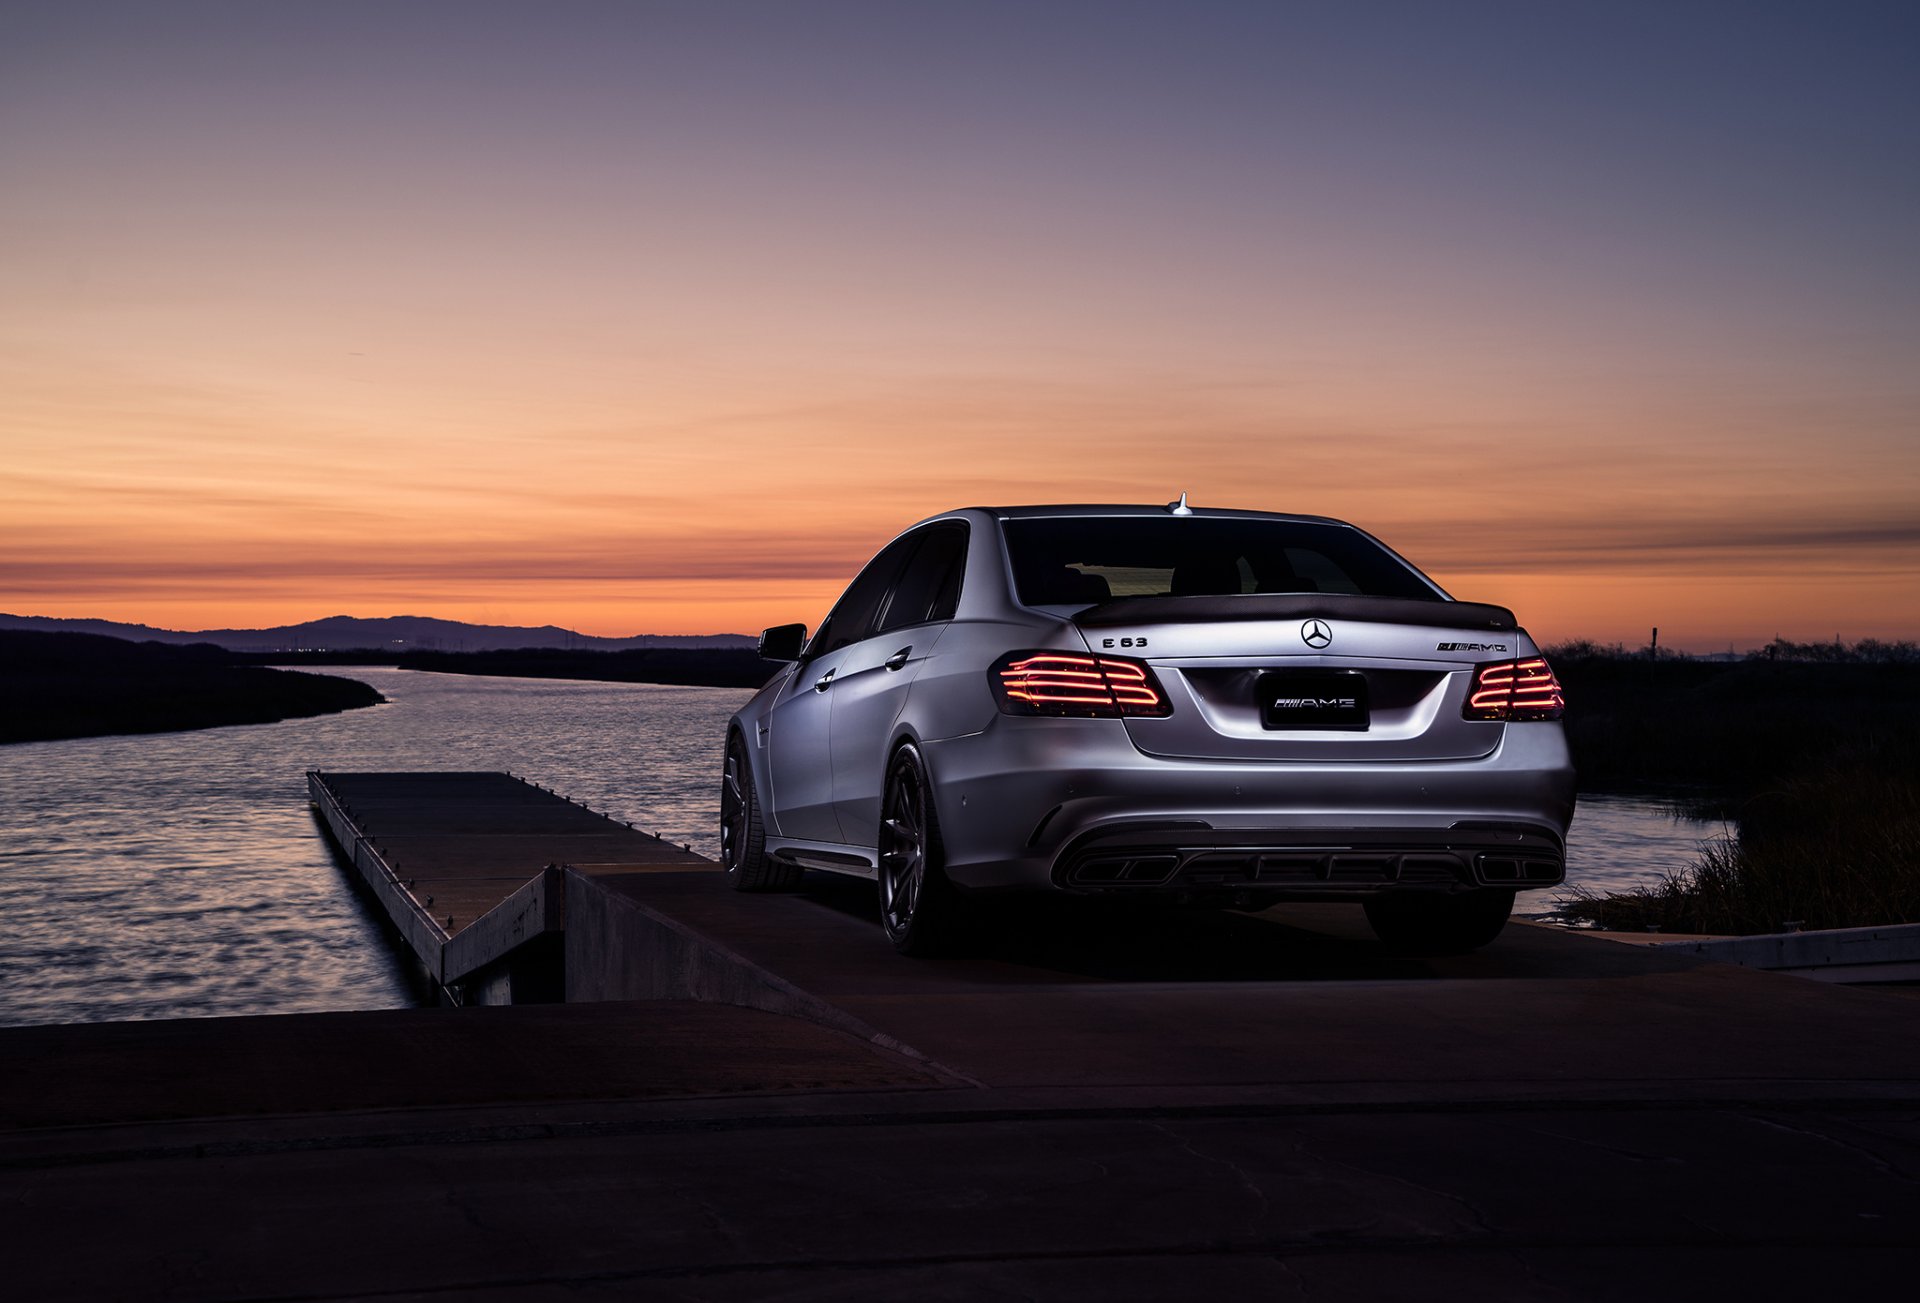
<point x="1620" y="842"/>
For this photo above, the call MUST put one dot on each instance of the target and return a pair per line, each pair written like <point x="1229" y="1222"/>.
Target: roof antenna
<point x="1180" y="508"/>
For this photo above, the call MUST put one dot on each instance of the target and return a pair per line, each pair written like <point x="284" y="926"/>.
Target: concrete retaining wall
<point x="619" y="949"/>
<point x="1855" y="954"/>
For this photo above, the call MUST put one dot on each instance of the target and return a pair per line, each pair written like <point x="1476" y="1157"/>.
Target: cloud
<point x="1844" y="543"/>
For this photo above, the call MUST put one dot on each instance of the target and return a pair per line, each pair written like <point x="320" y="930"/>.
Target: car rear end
<point x="1252" y="708"/>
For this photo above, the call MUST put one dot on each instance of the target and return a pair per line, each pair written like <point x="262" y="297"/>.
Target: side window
<point x="852" y="617"/>
<point x="929" y="588"/>
<point x="946" y="600"/>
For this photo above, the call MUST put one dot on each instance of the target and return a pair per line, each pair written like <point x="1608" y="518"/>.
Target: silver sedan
<point x="1194" y="705"/>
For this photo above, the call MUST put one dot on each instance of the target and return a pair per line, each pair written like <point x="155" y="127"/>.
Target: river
<point x="182" y="875"/>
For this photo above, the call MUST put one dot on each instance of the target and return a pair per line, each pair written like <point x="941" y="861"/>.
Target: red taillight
<point x="1059" y="683"/>
<point x="1515" y="690"/>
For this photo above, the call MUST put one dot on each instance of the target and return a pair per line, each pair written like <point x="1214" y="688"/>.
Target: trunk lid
<point x="1309" y="676"/>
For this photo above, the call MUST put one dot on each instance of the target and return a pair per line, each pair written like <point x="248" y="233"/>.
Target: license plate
<point x="1320" y="699"/>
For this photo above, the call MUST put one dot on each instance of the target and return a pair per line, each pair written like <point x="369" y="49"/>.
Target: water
<point x="1620" y="842"/>
<point x="182" y="875"/>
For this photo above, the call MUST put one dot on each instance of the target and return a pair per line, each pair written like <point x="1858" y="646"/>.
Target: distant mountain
<point x="393" y="633"/>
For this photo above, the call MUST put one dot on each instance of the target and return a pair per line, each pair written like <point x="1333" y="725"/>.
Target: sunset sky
<point x="646" y="317"/>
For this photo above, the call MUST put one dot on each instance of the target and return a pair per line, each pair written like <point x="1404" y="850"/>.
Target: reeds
<point x="1835" y="845"/>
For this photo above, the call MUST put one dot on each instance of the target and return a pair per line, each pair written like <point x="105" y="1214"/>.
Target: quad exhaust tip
<point x="1504" y="868"/>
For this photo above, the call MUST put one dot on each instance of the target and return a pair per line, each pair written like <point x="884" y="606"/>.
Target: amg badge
<point x="1313" y="699"/>
<point x="1472" y="646"/>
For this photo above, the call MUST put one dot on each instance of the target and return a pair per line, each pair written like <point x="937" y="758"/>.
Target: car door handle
<point x="825" y="681"/>
<point x="899" y="658"/>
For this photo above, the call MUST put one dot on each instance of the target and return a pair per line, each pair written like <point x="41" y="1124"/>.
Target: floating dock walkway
<point x="467" y="868"/>
<point x="507" y="893"/>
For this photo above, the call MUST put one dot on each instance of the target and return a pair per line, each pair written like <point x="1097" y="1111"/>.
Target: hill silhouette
<point x="391" y="634"/>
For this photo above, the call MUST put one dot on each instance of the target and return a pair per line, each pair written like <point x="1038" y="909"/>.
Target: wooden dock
<point x="467" y="866"/>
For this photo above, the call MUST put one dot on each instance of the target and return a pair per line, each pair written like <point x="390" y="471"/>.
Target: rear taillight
<point x="1515" y="690"/>
<point x="1059" y="683"/>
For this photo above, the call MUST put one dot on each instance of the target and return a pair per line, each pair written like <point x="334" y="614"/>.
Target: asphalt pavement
<point x="1102" y="1105"/>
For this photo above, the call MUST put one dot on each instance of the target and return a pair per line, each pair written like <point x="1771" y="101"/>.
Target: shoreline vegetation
<point x="1812" y="751"/>
<point x="69" y="685"/>
<point x="714" y="667"/>
<point x="706" y="667"/>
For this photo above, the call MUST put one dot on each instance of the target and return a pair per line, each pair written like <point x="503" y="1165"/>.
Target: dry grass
<point x="1835" y="846"/>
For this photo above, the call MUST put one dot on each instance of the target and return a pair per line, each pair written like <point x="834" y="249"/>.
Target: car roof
<point x="1139" y="509"/>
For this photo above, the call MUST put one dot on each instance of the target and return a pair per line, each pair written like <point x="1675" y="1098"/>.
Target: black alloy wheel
<point x="918" y="907"/>
<point x="743" y="837"/>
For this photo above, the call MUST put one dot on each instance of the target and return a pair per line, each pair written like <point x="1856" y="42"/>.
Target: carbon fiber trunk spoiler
<point x="1439" y="613"/>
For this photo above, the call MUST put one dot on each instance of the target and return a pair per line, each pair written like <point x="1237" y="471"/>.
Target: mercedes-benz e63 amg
<point x="1171" y="702"/>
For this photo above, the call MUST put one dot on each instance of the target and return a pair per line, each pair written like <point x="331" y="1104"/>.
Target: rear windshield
<point x="1077" y="560"/>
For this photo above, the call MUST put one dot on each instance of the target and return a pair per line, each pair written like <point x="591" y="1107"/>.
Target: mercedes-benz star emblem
<point x="1315" y="633"/>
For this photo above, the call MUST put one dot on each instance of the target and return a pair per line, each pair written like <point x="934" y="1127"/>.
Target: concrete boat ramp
<point x="753" y="1097"/>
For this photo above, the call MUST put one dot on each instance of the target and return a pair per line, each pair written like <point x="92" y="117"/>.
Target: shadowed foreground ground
<point x="1250" y="1107"/>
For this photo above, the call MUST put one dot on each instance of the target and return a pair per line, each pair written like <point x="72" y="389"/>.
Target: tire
<point x="1420" y="924"/>
<point x="743" y="837"/>
<point x="922" y="912"/>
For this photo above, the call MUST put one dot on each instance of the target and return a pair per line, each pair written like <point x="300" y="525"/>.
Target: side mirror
<point x="783" y="642"/>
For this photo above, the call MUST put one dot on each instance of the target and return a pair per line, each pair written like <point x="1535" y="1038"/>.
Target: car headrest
<point x="1079" y="586"/>
<point x="1209" y="578"/>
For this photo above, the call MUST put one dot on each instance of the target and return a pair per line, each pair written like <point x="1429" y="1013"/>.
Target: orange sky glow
<point x="327" y="328"/>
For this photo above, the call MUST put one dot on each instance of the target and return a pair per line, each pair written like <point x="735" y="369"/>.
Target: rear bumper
<point x="1072" y="805"/>
<point x="1314" y="864"/>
